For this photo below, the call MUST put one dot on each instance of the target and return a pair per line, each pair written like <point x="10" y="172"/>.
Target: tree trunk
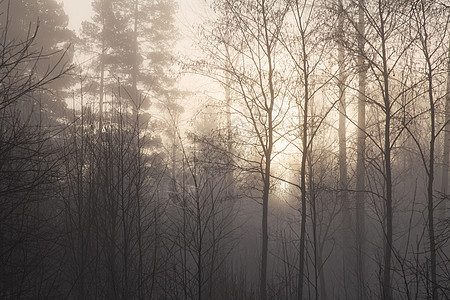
<point x="343" y="180"/>
<point x="303" y="211"/>
<point x="265" y="234"/>
<point x="102" y="84"/>
<point x="430" y="199"/>
<point x="229" y="175"/>
<point x="445" y="163"/>
<point x="386" y="285"/>
<point x="268" y="158"/>
<point x="102" y="76"/>
<point x="265" y="198"/>
<point x="304" y="135"/>
<point x="430" y="194"/>
<point x="135" y="72"/>
<point x="360" y="168"/>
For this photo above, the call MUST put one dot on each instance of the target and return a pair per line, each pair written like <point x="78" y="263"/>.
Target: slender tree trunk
<point x="102" y="84"/>
<point x="303" y="213"/>
<point x="387" y="293"/>
<point x="430" y="197"/>
<point x="267" y="157"/>
<point x="266" y="190"/>
<point x="360" y="149"/>
<point x="386" y="285"/>
<point x="322" y="281"/>
<point x="124" y="204"/>
<point x="430" y="194"/>
<point x="135" y="109"/>
<point x="343" y="180"/>
<point x="102" y="76"/>
<point x="445" y="164"/>
<point x="135" y="73"/>
<point x="139" y="209"/>
<point x="81" y="208"/>
<point x="265" y="233"/>
<point x="304" y="135"/>
<point x="314" y="223"/>
<point x="199" y="234"/>
<point x="185" y="240"/>
<point x="229" y="175"/>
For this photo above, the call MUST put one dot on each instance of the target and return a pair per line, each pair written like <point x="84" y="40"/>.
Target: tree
<point x="43" y="24"/>
<point x="29" y="165"/>
<point x="306" y="53"/>
<point x="446" y="150"/>
<point x="361" y="148"/>
<point x="343" y="176"/>
<point x="132" y="42"/>
<point x="254" y="78"/>
<point x="154" y="34"/>
<point x="202" y="218"/>
<point x="108" y="38"/>
<point x="429" y="43"/>
<point x="112" y="182"/>
<point x="385" y="21"/>
<point x="353" y="40"/>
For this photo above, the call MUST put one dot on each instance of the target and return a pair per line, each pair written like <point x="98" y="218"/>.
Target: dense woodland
<point x="313" y="164"/>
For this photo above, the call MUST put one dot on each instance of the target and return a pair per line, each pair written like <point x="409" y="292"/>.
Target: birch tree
<point x="254" y="78"/>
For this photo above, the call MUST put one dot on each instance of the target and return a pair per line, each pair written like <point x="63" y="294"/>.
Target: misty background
<point x="224" y="149"/>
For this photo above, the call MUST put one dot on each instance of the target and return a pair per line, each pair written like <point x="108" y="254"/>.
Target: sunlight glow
<point x="78" y="11"/>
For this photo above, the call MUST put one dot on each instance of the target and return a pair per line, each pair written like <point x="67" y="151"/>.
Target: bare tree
<point x="306" y="53"/>
<point x="360" y="167"/>
<point x="29" y="168"/>
<point x="202" y="218"/>
<point x="429" y="41"/>
<point x="256" y="27"/>
<point x="446" y="150"/>
<point x="347" y="262"/>
<point x="383" y="20"/>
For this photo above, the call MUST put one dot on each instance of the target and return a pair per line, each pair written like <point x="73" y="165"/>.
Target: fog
<point x="224" y="149"/>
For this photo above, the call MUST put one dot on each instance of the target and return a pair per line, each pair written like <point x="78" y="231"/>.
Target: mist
<point x="224" y="149"/>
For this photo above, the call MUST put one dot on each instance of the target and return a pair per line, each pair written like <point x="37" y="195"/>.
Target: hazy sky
<point x="78" y="11"/>
<point x="188" y="13"/>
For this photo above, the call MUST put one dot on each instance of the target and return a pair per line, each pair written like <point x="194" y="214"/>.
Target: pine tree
<point x="44" y="23"/>
<point x="132" y="42"/>
<point x="31" y="73"/>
